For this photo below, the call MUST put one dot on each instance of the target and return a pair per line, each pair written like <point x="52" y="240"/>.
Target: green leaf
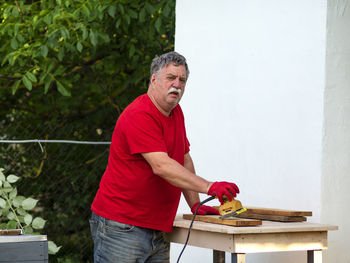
<point x="5" y="211"/>
<point x="11" y="216"/>
<point x="20" y="38"/>
<point x="62" y="89"/>
<point x="28" y="230"/>
<point x="13" y="58"/>
<point x="15" y="12"/>
<point x="51" y="66"/>
<point x="17" y="202"/>
<point x="12" y="224"/>
<point x="7" y="187"/>
<point x="13" y="194"/>
<point x="15" y="86"/>
<point x="2" y="203"/>
<point x="16" y="29"/>
<point x="59" y="71"/>
<point x="31" y="76"/>
<point x="14" y="43"/>
<point x="112" y="10"/>
<point x="142" y="15"/>
<point x="38" y="223"/>
<point x="20" y="218"/>
<point x="52" y="247"/>
<point x="47" y="83"/>
<point x="132" y="13"/>
<point x="150" y="8"/>
<point x="79" y="47"/>
<point x="119" y="21"/>
<point x="166" y="11"/>
<point x="35" y="19"/>
<point x="60" y="54"/>
<point x="27" y="83"/>
<point x="93" y="38"/>
<point x="85" y="10"/>
<point x="85" y="33"/>
<point x="121" y="9"/>
<point x="158" y="23"/>
<point x="64" y="33"/>
<point x="6" y="58"/>
<point x="127" y="19"/>
<point x="28" y="219"/>
<point x="131" y="50"/>
<point x="48" y="19"/>
<point x="44" y="51"/>
<point x="29" y="203"/>
<point x="43" y="76"/>
<point x="21" y="211"/>
<point x="12" y="178"/>
<point x="105" y="37"/>
<point x="2" y="176"/>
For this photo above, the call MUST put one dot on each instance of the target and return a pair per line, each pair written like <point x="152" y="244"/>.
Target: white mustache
<point x="179" y="91"/>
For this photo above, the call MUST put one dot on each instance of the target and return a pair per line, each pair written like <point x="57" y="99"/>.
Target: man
<point x="149" y="166"/>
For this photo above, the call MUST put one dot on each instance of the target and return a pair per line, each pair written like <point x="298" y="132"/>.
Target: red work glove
<point x="219" y="189"/>
<point x="204" y="210"/>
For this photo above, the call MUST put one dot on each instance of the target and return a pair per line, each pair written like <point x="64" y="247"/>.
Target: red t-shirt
<point x="129" y="191"/>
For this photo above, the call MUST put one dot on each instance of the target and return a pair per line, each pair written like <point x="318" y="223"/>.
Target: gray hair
<point x="164" y="60"/>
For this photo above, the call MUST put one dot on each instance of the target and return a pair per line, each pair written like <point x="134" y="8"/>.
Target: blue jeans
<point x="116" y="242"/>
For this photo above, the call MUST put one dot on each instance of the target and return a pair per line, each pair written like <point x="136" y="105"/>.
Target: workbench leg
<point x="218" y="256"/>
<point x="314" y="256"/>
<point x="237" y="258"/>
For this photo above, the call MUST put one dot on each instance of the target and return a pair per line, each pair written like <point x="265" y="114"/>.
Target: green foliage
<point x="68" y="69"/>
<point x="14" y="210"/>
<point x="90" y="50"/>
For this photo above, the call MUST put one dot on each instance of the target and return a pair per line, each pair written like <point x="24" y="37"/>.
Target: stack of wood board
<point x="273" y="214"/>
<point x="229" y="221"/>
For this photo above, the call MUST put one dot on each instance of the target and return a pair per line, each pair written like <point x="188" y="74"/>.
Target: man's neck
<point x="161" y="109"/>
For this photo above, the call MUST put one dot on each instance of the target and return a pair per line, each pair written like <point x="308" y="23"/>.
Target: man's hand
<point x="204" y="210"/>
<point x="219" y="189"/>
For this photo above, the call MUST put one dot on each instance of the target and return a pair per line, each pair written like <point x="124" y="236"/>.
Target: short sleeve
<point x="144" y="133"/>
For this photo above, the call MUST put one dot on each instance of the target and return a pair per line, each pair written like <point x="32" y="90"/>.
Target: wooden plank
<point x="274" y="211"/>
<point x="231" y="221"/>
<point x="277" y="212"/>
<point x="266" y="227"/>
<point x="249" y="214"/>
<point x="274" y="242"/>
<point x="10" y="232"/>
<point x="204" y="239"/>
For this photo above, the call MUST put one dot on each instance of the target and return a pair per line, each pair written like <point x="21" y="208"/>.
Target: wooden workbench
<point x="269" y="237"/>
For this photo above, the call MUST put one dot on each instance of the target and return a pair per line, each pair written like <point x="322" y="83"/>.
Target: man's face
<point x="169" y="85"/>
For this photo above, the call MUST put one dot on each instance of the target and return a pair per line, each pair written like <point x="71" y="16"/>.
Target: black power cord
<point x="189" y="229"/>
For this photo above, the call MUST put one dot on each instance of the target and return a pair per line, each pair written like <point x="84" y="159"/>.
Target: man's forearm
<point x="191" y="197"/>
<point x="176" y="174"/>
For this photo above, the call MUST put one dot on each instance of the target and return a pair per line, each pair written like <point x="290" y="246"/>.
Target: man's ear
<point x="153" y="78"/>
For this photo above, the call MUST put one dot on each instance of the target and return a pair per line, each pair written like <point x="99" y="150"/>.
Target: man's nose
<point x="176" y="83"/>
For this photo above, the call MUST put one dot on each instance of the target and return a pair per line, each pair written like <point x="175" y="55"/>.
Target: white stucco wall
<point x="336" y="150"/>
<point x="254" y="102"/>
